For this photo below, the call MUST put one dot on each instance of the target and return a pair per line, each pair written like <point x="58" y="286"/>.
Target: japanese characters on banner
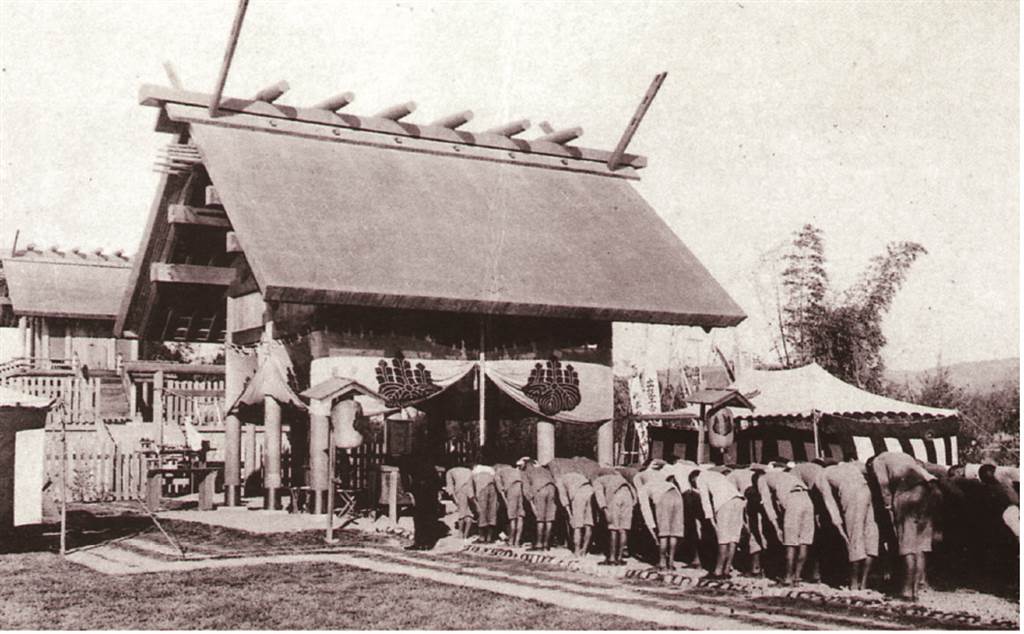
<point x="569" y="392"/>
<point x="645" y="398"/>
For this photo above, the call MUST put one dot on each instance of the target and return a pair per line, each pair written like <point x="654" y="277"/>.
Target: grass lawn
<point x="41" y="591"/>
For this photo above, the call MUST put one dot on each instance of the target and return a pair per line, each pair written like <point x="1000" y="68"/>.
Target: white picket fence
<point x="81" y="397"/>
<point x="203" y="411"/>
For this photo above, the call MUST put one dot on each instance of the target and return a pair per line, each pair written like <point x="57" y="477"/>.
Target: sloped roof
<point x="799" y="391"/>
<point x="347" y="223"/>
<point x="82" y="287"/>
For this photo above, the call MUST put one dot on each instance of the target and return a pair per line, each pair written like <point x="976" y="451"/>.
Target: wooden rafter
<point x="198" y="216"/>
<point x="163" y="272"/>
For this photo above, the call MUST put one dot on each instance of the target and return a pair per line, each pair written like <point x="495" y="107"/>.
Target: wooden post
<point x="331" y="453"/>
<point x="545" y="441"/>
<point x="701" y="427"/>
<point x="233" y="384"/>
<point x="272" y="453"/>
<point x="158" y="408"/>
<point x="250" y="456"/>
<point x="320" y="426"/>
<point x="22" y="336"/>
<point x="63" y="480"/>
<point x="815" y="419"/>
<point x="69" y="349"/>
<point x="483" y="385"/>
<point x="606" y="444"/>
<point x="393" y="497"/>
<point x="271" y="434"/>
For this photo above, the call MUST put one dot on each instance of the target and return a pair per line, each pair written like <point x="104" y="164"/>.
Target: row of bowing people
<point x="889" y="501"/>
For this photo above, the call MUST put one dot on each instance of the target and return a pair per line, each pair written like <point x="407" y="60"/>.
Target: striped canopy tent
<point x="803" y="408"/>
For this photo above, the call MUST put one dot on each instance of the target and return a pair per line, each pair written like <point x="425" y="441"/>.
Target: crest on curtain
<point x="401" y="383"/>
<point x="553" y="387"/>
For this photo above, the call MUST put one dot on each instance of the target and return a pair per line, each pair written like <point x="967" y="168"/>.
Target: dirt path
<point x="653" y="603"/>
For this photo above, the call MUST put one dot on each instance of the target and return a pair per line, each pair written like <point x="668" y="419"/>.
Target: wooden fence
<point x="100" y="475"/>
<point x="81" y="397"/>
<point x="181" y="400"/>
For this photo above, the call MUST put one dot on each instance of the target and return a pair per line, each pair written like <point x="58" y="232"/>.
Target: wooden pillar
<point x="44" y="340"/>
<point x="545" y="441"/>
<point x="158" y="408"/>
<point x="33" y="335"/>
<point x="23" y="337"/>
<point x="701" y="431"/>
<point x="606" y="444"/>
<point x="482" y="384"/>
<point x="271" y="435"/>
<point x="271" y="453"/>
<point x="319" y="464"/>
<point x="250" y="457"/>
<point x="234" y="381"/>
<point x="69" y="347"/>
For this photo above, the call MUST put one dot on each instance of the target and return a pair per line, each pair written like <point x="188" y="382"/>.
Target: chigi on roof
<point x="403" y="215"/>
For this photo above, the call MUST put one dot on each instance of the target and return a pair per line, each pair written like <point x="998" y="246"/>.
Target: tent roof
<point x="63" y="287"/>
<point x="799" y="391"/>
<point x="329" y="221"/>
<point x="13" y="398"/>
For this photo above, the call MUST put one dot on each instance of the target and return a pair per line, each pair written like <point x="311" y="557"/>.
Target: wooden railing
<point x="22" y="365"/>
<point x="81" y="397"/>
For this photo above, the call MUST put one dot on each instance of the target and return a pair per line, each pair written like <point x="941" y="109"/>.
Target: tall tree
<point x="842" y="332"/>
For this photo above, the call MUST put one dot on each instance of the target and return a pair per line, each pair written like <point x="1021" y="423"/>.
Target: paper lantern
<point x="343" y="416"/>
<point x="720" y="429"/>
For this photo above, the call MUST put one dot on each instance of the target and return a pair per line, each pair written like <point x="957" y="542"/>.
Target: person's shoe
<point x="606" y="563"/>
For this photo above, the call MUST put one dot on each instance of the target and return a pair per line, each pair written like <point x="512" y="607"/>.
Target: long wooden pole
<point x="815" y="418"/>
<point x="236" y="28"/>
<point x="330" y="479"/>
<point x="634" y="123"/>
<point x="483" y="385"/>
<point x="63" y="480"/>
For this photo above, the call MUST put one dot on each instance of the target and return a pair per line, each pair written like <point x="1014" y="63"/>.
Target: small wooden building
<point x="471" y="278"/>
<point x="58" y="307"/>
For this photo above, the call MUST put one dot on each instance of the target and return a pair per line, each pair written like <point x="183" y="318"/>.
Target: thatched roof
<point x="338" y="209"/>
<point x="336" y="223"/>
<point x="66" y="284"/>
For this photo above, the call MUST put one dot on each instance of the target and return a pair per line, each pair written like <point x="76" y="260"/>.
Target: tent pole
<point x="483" y="385"/>
<point x="700" y="434"/>
<point x="815" y="419"/>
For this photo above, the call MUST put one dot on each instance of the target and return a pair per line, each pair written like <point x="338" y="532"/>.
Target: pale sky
<point x="877" y="122"/>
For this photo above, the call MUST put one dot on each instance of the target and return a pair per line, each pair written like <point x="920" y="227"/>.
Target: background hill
<point x="974" y="376"/>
